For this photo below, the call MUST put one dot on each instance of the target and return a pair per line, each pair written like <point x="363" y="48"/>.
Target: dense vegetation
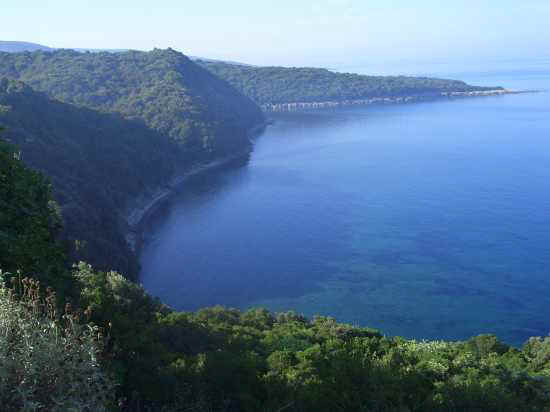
<point x="48" y="362"/>
<point x="221" y="359"/>
<point x="29" y="223"/>
<point x="288" y="85"/>
<point x="97" y="163"/>
<point x="127" y="351"/>
<point x="162" y="88"/>
<point x="116" y="126"/>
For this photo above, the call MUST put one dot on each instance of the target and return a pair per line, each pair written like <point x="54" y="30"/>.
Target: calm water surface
<point x="425" y="220"/>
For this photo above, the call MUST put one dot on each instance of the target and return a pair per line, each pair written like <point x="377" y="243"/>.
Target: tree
<point x="29" y="223"/>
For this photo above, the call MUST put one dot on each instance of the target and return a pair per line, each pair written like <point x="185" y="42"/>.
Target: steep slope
<point x="163" y="88"/>
<point x="97" y="163"/>
<point x="274" y="85"/>
<point x="117" y="126"/>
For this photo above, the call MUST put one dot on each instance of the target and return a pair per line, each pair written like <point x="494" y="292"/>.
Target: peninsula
<point x="277" y="89"/>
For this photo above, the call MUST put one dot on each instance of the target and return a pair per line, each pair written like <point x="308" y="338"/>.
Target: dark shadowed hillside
<point x="110" y="128"/>
<point x="97" y="163"/>
<point x="162" y="88"/>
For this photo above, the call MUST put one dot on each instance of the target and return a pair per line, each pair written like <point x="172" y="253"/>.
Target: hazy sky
<point x="290" y="32"/>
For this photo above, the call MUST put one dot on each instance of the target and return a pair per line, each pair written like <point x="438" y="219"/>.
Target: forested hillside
<point x="111" y="127"/>
<point x="29" y="222"/>
<point x="97" y="163"/>
<point x="273" y="85"/>
<point x="20" y="46"/>
<point x="163" y="88"/>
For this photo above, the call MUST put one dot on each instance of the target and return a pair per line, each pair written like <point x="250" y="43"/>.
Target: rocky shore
<point x="294" y="106"/>
<point x="142" y="207"/>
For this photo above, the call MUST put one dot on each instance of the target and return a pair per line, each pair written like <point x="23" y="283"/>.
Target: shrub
<point x="48" y="362"/>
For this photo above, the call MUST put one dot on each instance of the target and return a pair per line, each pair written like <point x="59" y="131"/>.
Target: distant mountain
<point x="163" y="88"/>
<point x="21" y="46"/>
<point x="275" y="85"/>
<point x="100" y="50"/>
<point x="207" y="60"/>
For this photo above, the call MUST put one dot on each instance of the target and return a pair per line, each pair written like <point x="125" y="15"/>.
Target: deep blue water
<point x="425" y="220"/>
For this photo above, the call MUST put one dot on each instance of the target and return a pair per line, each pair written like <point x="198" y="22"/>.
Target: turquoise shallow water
<point x="425" y="220"/>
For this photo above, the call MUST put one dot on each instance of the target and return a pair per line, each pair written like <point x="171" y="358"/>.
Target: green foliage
<point x="162" y="88"/>
<point x="220" y="359"/>
<point x="130" y="315"/>
<point x="287" y="85"/>
<point x="537" y="354"/>
<point x="29" y="223"/>
<point x="224" y="359"/>
<point x="98" y="163"/>
<point x="48" y="362"/>
<point x="115" y="140"/>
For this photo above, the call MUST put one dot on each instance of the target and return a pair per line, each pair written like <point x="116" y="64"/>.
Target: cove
<point x="428" y="220"/>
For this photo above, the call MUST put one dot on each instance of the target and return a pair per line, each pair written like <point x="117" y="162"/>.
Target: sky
<point x="329" y="33"/>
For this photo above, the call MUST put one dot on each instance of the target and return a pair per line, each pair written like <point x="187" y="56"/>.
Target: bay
<point x="428" y="221"/>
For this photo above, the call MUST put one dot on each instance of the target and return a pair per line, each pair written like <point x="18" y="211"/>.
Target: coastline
<point x="295" y="106"/>
<point x="143" y="206"/>
<point x="148" y="203"/>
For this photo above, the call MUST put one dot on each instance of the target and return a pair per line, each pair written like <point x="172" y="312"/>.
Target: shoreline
<point x="296" y="106"/>
<point x="136" y="215"/>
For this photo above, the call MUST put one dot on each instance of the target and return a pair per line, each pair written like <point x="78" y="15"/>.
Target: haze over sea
<point x="428" y="221"/>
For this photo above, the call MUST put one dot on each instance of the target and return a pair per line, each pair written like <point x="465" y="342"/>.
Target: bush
<point x="48" y="362"/>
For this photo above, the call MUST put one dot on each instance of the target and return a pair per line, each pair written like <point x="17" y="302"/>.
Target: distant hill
<point x="100" y="50"/>
<point x="163" y="88"/>
<point x="21" y="46"/>
<point x="275" y="85"/>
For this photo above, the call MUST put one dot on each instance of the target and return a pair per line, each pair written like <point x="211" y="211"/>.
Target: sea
<point x="425" y="220"/>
